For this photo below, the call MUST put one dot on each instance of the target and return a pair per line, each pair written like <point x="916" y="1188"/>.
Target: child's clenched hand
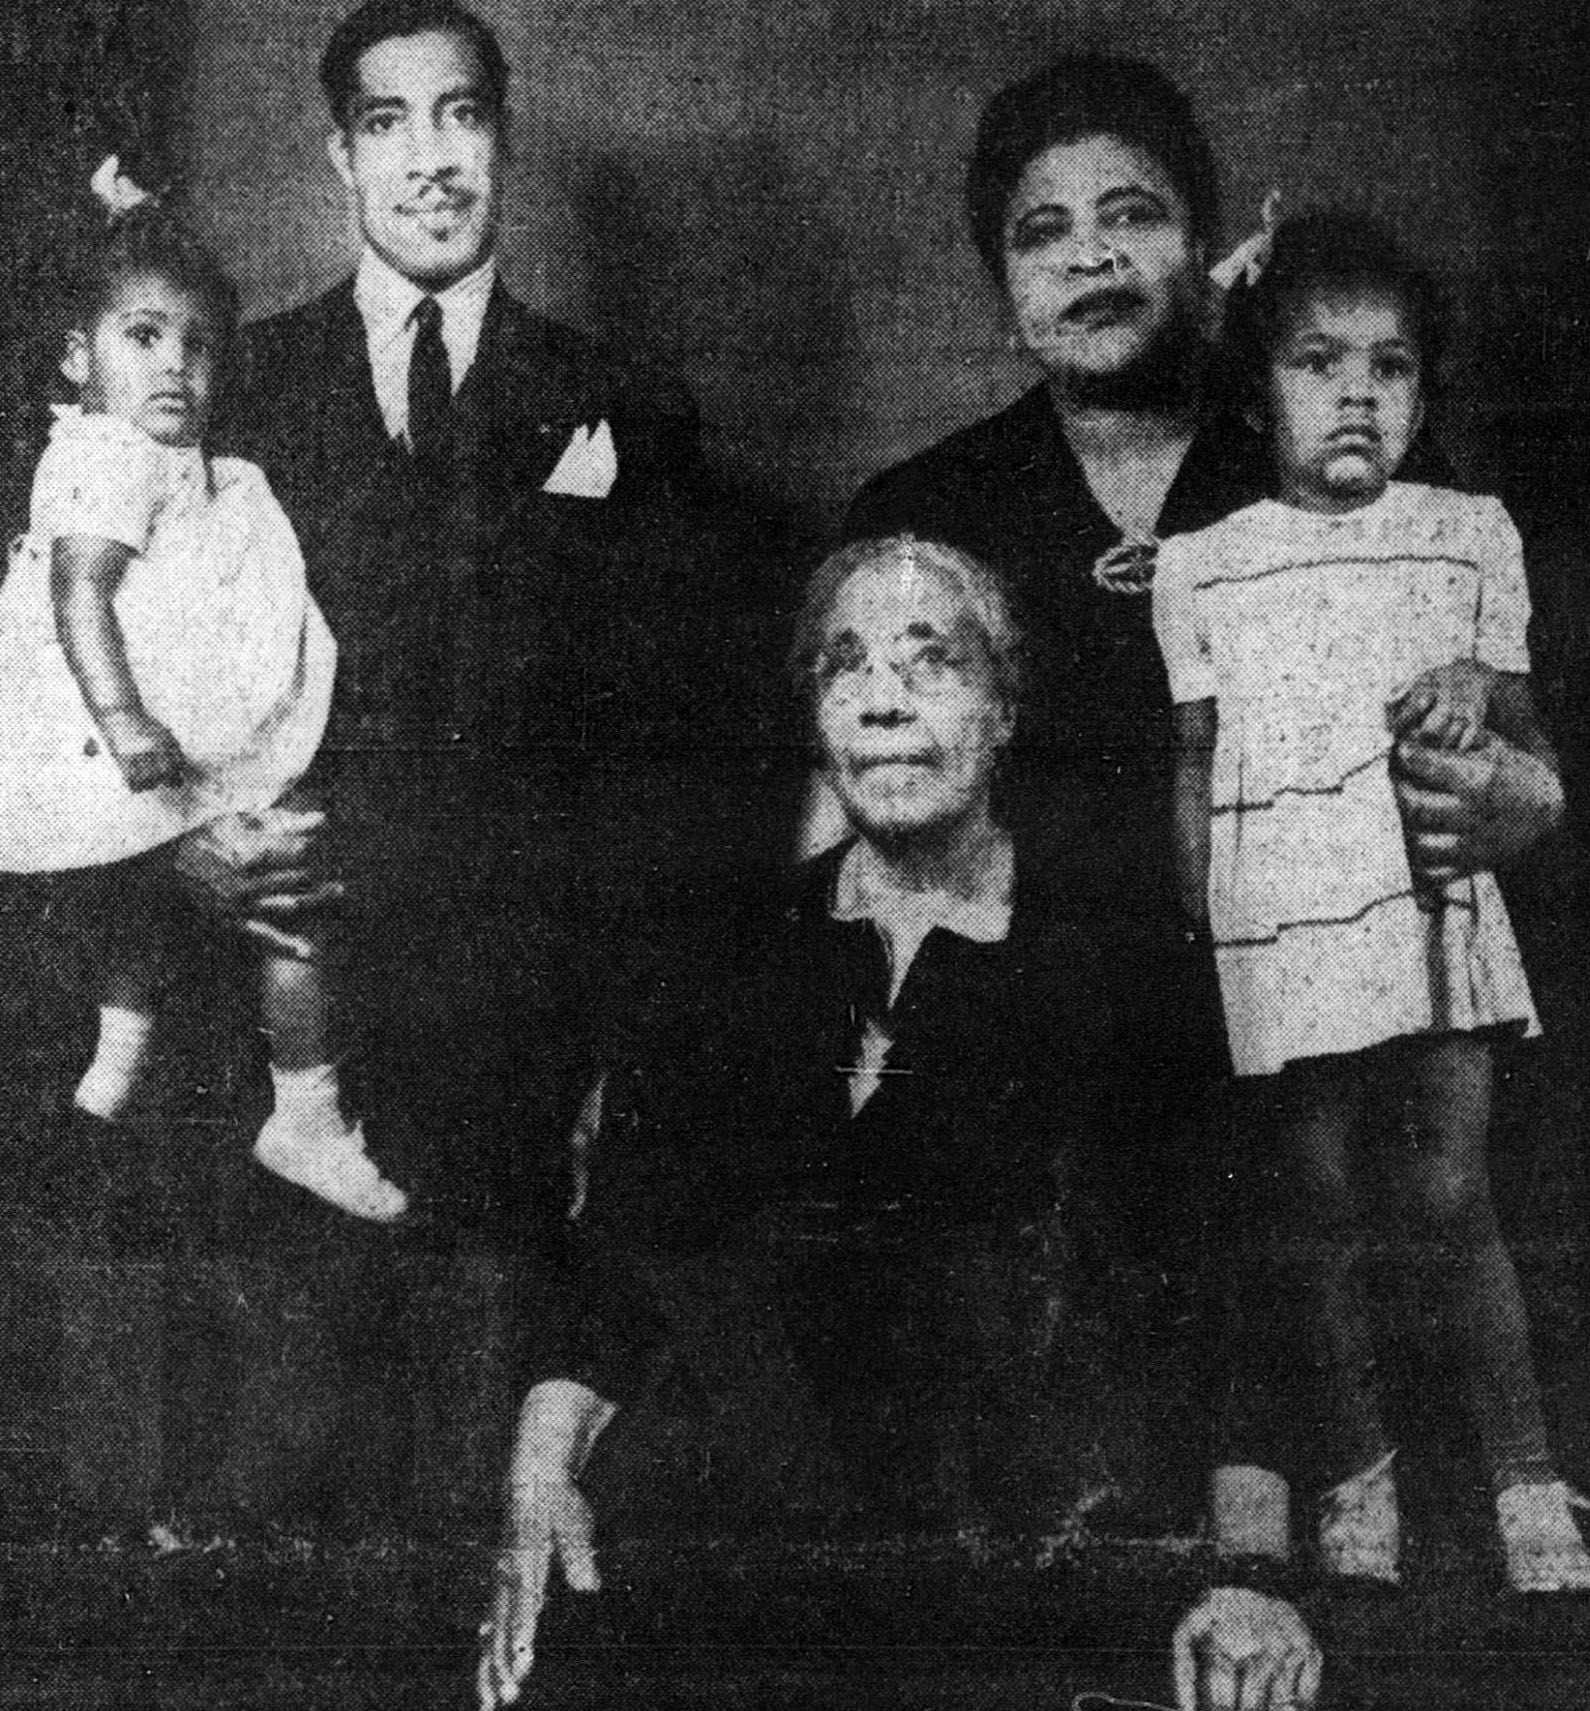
<point x="143" y="748"/>
<point x="1444" y="707"/>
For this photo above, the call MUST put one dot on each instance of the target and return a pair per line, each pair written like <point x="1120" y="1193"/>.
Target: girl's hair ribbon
<point x="1250" y="258"/>
<point x="115" y="191"/>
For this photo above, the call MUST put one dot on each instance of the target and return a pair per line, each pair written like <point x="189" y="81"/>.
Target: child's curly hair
<point x="1330" y="252"/>
<point x="144" y="241"/>
<point x="71" y="289"/>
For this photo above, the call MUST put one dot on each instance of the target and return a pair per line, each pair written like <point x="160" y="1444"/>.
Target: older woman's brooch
<point x="1127" y="567"/>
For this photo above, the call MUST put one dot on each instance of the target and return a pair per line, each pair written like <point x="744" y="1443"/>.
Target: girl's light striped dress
<point x="1303" y="627"/>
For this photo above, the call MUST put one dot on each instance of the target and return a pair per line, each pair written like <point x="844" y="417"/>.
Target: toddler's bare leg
<point x="1319" y="1106"/>
<point x="295" y="996"/>
<point x="1315" y="1109"/>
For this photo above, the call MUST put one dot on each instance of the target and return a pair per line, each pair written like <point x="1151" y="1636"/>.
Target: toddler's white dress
<point x="1303" y="626"/>
<point x="226" y="647"/>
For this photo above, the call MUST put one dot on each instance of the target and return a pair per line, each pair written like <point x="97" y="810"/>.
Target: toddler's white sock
<point x="307" y="1102"/>
<point x="119" y="1058"/>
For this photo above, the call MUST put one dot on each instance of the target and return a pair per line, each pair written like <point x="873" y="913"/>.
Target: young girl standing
<point x="162" y="665"/>
<point x="1304" y="636"/>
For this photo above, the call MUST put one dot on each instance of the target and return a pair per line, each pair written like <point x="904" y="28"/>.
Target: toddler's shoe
<point x="1541" y="1544"/>
<point x="334" y="1166"/>
<point x="1360" y="1531"/>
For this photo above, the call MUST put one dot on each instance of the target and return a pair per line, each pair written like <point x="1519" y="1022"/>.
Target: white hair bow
<point x="1250" y="258"/>
<point x="115" y="190"/>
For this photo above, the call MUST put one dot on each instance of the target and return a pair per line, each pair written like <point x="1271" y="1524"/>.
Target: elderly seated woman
<point x="875" y="1102"/>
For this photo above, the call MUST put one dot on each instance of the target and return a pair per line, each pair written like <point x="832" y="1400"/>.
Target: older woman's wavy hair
<point x="1083" y="95"/>
<point x="984" y="590"/>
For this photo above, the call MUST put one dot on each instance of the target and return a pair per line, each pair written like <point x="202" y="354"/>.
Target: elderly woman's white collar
<point x="866" y="890"/>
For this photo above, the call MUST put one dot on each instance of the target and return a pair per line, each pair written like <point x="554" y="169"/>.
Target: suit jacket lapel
<point x="519" y="398"/>
<point x="353" y="443"/>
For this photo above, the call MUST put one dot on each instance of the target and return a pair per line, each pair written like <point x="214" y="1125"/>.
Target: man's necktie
<point x="430" y="386"/>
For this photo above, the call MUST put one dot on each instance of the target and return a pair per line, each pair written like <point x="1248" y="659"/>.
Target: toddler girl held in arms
<point x="1304" y="637"/>
<point x="162" y="666"/>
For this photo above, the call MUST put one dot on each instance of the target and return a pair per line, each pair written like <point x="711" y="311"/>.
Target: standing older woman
<point x="1092" y="202"/>
<point x="872" y="1108"/>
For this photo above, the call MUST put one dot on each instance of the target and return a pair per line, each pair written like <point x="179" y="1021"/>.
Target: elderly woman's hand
<point x="549" y="1522"/>
<point x="1237" y="1650"/>
<point x="1470" y="810"/>
<point x="264" y="872"/>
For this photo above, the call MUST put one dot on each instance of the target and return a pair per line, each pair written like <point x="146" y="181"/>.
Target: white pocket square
<point x="589" y="465"/>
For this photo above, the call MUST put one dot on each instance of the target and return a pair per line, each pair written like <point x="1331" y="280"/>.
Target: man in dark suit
<point x="485" y="501"/>
<point x="497" y="520"/>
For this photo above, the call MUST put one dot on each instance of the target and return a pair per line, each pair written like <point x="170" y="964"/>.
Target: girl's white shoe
<point x="334" y="1166"/>
<point x="1541" y="1543"/>
<point x="1360" y="1530"/>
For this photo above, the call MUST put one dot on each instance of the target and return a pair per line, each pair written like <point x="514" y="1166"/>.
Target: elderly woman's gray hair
<point x="984" y="591"/>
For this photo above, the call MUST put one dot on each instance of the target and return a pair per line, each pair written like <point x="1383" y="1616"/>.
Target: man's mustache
<point x="438" y="201"/>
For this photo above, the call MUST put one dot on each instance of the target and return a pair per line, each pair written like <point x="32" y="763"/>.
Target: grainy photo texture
<point x="792" y="821"/>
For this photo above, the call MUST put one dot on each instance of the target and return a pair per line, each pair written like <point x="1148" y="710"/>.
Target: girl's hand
<point x="1444" y="707"/>
<point x="143" y="748"/>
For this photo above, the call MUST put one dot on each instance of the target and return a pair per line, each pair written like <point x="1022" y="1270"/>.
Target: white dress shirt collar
<point x="386" y="301"/>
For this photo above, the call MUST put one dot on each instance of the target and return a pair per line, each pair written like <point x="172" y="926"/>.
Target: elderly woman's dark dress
<point x="1089" y="776"/>
<point x="910" y="1249"/>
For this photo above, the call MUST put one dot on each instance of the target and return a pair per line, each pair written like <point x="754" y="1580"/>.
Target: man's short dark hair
<point x="384" y="20"/>
<point x="1077" y="96"/>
